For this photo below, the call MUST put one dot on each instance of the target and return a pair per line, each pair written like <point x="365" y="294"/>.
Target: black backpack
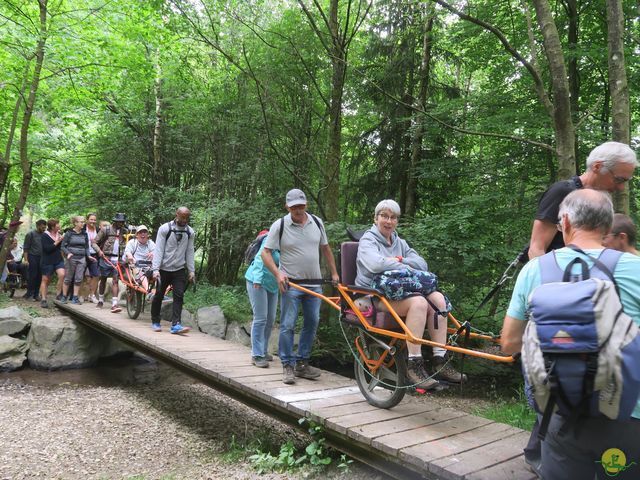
<point x="315" y="219"/>
<point x="253" y="248"/>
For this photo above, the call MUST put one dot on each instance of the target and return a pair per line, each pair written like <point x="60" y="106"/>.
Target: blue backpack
<point x="580" y="351"/>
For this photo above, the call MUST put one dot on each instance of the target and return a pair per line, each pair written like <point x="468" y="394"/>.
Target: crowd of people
<point x="575" y="220"/>
<point x="89" y="252"/>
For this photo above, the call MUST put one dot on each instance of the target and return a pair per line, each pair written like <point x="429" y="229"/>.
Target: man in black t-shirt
<point x="609" y="167"/>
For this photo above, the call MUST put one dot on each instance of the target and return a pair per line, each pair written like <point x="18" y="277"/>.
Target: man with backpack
<point x="580" y="345"/>
<point x="174" y="265"/>
<point x="299" y="236"/>
<point x="109" y="244"/>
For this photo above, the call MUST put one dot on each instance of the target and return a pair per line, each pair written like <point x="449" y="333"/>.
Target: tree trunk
<point x="618" y="87"/>
<point x="563" y="125"/>
<point x="339" y="70"/>
<point x="574" y="72"/>
<point x="5" y="160"/>
<point x="416" y="143"/>
<point x="25" y="164"/>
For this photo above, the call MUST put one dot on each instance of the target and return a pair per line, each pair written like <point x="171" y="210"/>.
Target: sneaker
<point x="59" y="297"/>
<point x="62" y="299"/>
<point x="304" y="370"/>
<point x="115" y="309"/>
<point x="100" y="304"/>
<point x="93" y="299"/>
<point x="76" y="301"/>
<point x="37" y="298"/>
<point x="179" y="329"/>
<point x="44" y="304"/>
<point x="268" y="357"/>
<point x="443" y="370"/>
<point x="260" y="362"/>
<point x="288" y="377"/>
<point x="156" y="327"/>
<point x="27" y="295"/>
<point x="418" y="377"/>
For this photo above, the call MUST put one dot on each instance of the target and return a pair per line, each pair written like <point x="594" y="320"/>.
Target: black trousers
<point x="34" y="276"/>
<point x="178" y="280"/>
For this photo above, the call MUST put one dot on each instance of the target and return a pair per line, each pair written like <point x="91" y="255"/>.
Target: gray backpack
<point x="580" y="351"/>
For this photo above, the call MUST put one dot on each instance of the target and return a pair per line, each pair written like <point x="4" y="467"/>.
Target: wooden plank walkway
<point x="412" y="440"/>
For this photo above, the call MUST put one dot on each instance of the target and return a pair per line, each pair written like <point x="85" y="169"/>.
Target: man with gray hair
<point x="299" y="236"/>
<point x="585" y="218"/>
<point x="609" y="167"/>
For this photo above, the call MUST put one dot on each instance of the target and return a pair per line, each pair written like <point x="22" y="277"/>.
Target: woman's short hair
<point x="623" y="224"/>
<point x="77" y="218"/>
<point x="390" y="205"/>
<point x="52" y="222"/>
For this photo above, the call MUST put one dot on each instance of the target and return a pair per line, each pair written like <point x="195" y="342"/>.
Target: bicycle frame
<point x="405" y="334"/>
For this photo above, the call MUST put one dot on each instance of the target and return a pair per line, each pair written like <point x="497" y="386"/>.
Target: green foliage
<point x="232" y="300"/>
<point x="514" y="411"/>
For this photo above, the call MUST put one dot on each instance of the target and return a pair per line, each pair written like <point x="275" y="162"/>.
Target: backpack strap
<point x="316" y="220"/>
<point x="550" y="271"/>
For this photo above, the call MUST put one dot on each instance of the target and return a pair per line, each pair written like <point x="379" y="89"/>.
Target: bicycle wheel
<point x="380" y="375"/>
<point x="134" y="303"/>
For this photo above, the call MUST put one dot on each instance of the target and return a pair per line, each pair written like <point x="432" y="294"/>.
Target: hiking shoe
<point x="268" y="357"/>
<point x="288" y="377"/>
<point x="100" y="304"/>
<point x="76" y="301"/>
<point x="115" y="309"/>
<point x="179" y="329"/>
<point x="260" y="362"/>
<point x="59" y="297"/>
<point x="304" y="370"/>
<point x="93" y="299"/>
<point x="44" y="304"/>
<point x="27" y="295"/>
<point x="443" y="370"/>
<point x="418" y="377"/>
<point x="62" y="299"/>
<point x="156" y="327"/>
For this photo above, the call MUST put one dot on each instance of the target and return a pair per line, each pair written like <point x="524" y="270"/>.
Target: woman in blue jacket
<point x="262" y="288"/>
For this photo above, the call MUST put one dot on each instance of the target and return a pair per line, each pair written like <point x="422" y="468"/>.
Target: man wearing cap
<point x="32" y="248"/>
<point x="173" y="264"/>
<point x="299" y="236"/>
<point x="139" y="253"/>
<point x="109" y="244"/>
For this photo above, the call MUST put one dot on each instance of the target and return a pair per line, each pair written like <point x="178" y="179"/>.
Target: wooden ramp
<point x="412" y="440"/>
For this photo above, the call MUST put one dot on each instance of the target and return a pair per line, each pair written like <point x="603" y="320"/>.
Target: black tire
<point x="134" y="303"/>
<point x="12" y="292"/>
<point x="385" y="387"/>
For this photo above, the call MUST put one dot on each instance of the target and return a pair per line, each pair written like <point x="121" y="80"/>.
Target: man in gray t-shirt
<point x="300" y="237"/>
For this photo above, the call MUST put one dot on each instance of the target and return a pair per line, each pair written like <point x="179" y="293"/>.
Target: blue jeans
<point x="289" y="306"/>
<point x="264" y="305"/>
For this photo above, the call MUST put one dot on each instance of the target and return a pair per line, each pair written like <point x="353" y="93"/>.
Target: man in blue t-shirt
<point x="586" y="217"/>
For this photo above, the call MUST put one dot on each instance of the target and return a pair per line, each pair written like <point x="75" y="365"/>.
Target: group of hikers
<point x="578" y="213"/>
<point x="91" y="250"/>
<point x="575" y="235"/>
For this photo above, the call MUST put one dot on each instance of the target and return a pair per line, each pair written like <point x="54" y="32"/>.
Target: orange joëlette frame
<point x="129" y="281"/>
<point x="405" y="335"/>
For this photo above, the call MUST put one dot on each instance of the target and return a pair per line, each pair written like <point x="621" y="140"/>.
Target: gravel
<point x="160" y="431"/>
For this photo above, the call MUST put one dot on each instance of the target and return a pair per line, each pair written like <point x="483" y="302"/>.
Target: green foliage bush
<point x="232" y="299"/>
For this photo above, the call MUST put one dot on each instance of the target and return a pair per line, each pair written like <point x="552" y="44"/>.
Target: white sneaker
<point x="93" y="299"/>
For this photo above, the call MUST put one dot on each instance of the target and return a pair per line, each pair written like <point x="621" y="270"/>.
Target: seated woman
<point x="382" y="251"/>
<point x="139" y="253"/>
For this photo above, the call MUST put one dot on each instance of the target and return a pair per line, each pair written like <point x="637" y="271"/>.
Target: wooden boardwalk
<point x="412" y="440"/>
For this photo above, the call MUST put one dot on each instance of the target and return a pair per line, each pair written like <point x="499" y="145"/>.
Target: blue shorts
<point x="107" y="270"/>
<point x="48" y="269"/>
<point x="92" y="267"/>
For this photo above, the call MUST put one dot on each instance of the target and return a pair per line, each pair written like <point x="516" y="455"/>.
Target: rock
<point x="239" y="333"/>
<point x="211" y="321"/>
<point x="186" y="318"/>
<point x="13" y="320"/>
<point x="59" y="343"/>
<point x="115" y="348"/>
<point x="12" y="353"/>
